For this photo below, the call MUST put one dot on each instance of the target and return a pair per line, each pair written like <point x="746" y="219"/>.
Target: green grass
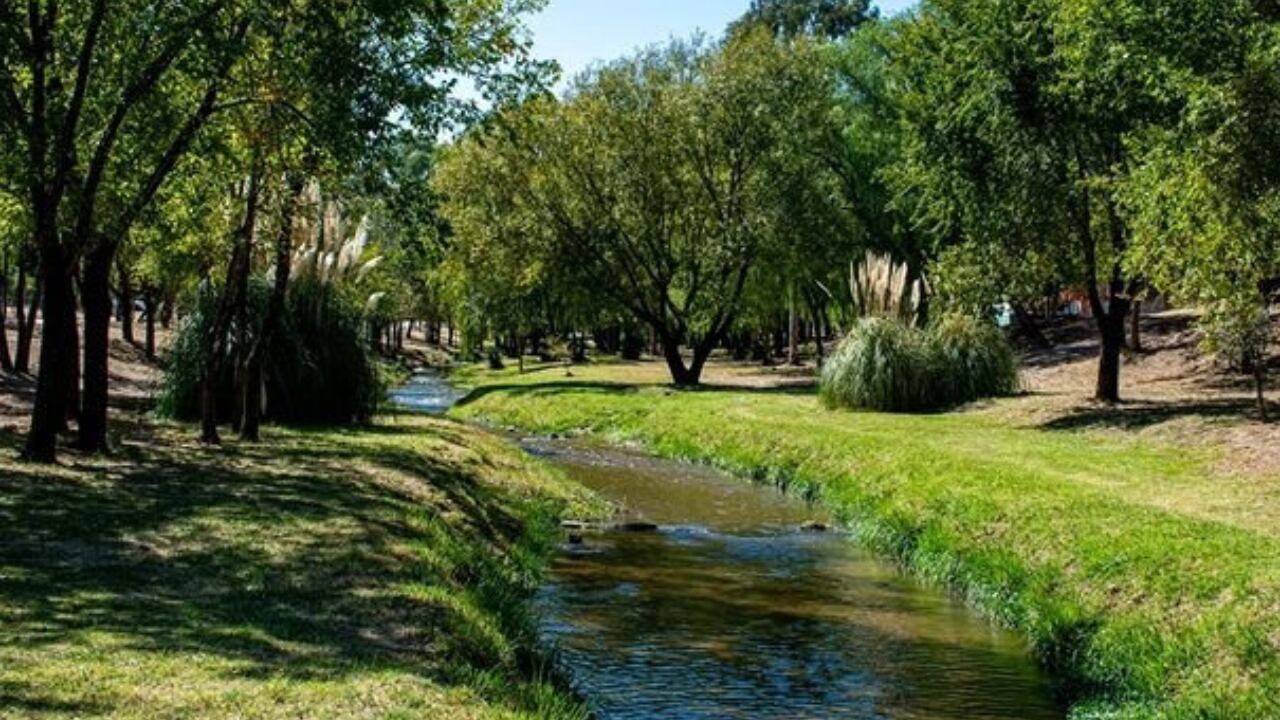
<point x="1140" y="579"/>
<point x="379" y="573"/>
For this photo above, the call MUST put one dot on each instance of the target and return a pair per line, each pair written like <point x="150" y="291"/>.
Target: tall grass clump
<point x="971" y="360"/>
<point x="887" y="366"/>
<point x="881" y="365"/>
<point x="319" y="369"/>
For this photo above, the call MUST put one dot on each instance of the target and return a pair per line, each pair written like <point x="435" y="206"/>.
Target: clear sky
<point x="577" y="33"/>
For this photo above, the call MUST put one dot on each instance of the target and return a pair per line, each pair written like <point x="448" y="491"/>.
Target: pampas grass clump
<point x="887" y="366"/>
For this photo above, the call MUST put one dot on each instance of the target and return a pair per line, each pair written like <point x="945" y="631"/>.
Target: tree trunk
<point x="1135" y="327"/>
<point x="215" y="344"/>
<point x="681" y="375"/>
<point x="241" y="314"/>
<point x="95" y="296"/>
<point x="126" y="305"/>
<point x="250" y="426"/>
<point x="48" y="416"/>
<point x="793" y="331"/>
<point x="819" y="329"/>
<point x="6" y="361"/>
<point x="26" y="319"/>
<point x="72" y="381"/>
<point x="1260" y="386"/>
<point x="166" y="312"/>
<point x="1029" y="328"/>
<point x="1111" y="328"/>
<point x="150" y="304"/>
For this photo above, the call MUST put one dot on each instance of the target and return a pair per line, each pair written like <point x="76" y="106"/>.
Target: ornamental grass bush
<point x="319" y="369"/>
<point x="887" y="366"/>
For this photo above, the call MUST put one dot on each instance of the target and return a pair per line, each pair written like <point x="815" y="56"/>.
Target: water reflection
<point x="731" y="612"/>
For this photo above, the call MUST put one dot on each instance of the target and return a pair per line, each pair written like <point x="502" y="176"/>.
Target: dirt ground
<point x="134" y="379"/>
<point x="1172" y="392"/>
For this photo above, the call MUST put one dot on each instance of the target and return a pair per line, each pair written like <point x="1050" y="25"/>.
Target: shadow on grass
<point x="295" y="560"/>
<point x="1137" y="415"/>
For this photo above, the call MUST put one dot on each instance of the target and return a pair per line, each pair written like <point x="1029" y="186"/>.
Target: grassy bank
<point x="338" y="574"/>
<point x="1147" y="581"/>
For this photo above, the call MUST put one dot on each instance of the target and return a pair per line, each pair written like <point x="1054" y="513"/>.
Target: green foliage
<point x="886" y="365"/>
<point x="319" y="369"/>
<point x="791" y="18"/>
<point x="969" y="359"/>
<point x="654" y="188"/>
<point x="881" y="365"/>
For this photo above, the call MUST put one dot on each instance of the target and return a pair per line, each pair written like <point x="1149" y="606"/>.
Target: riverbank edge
<point x="1092" y="682"/>
<point x="522" y="682"/>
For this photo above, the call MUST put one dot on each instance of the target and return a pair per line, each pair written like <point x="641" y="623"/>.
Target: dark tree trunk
<point x="72" y="412"/>
<point x="819" y="331"/>
<point x="1135" y="327"/>
<point x="1111" y="328"/>
<point x="683" y="375"/>
<point x="95" y="296"/>
<point x="215" y="344"/>
<point x="149" y="302"/>
<point x="250" y="427"/>
<point x="793" y="333"/>
<point x="126" y="305"/>
<point x="166" y="312"/>
<point x="26" y="317"/>
<point x="1260" y="387"/>
<point x="241" y="349"/>
<point x="6" y="361"/>
<point x="1029" y="328"/>
<point x="48" y="416"/>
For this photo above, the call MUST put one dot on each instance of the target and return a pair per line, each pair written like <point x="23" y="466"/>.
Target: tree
<point x="1205" y="197"/>
<point x="76" y="82"/>
<point x="650" y="186"/>
<point x="1019" y="117"/>
<point x="794" y="18"/>
<point x="103" y="100"/>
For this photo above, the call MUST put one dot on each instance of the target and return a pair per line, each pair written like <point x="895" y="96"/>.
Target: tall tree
<point x="1019" y="116"/>
<point x="652" y="184"/>
<point x="793" y="18"/>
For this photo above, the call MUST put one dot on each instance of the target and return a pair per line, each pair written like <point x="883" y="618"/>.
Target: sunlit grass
<point x="1147" y="594"/>
<point x="378" y="573"/>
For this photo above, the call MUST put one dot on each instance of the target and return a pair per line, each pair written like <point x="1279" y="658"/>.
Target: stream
<point x="736" y="606"/>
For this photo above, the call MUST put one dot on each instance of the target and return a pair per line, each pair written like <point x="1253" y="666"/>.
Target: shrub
<point x="881" y="365"/>
<point x="885" y="365"/>
<point x="970" y="360"/>
<point x="318" y="370"/>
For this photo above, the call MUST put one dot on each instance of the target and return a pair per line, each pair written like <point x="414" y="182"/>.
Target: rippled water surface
<point x="731" y="611"/>
<point x="427" y="391"/>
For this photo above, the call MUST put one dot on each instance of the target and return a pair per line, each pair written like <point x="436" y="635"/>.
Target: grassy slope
<point x="375" y="573"/>
<point x="1146" y="602"/>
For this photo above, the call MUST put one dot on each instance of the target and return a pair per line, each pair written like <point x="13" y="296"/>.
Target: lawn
<point x="1144" y="577"/>
<point x="338" y="574"/>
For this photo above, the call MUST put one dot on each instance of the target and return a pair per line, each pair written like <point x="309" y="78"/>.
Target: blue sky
<point x="579" y="32"/>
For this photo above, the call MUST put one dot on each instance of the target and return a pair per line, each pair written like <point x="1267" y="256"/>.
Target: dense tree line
<point x="1003" y="150"/>
<point x="247" y="164"/>
<point x="147" y="147"/>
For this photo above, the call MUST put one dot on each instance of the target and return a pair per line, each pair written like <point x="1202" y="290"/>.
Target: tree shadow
<point x="309" y="559"/>
<point x="1137" y="415"/>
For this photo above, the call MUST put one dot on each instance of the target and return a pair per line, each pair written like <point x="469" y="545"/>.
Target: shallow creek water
<point x="732" y="610"/>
